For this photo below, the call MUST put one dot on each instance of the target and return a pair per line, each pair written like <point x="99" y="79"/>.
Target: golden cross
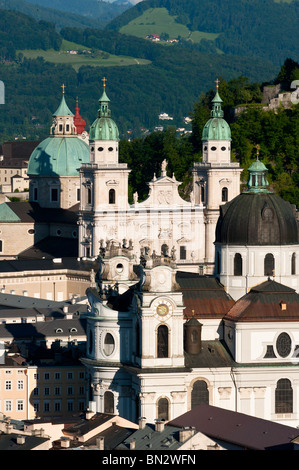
<point x="273" y="273"/>
<point x="257" y="151"/>
<point x="217" y="84"/>
<point x="104" y="82"/>
<point x="63" y="87"/>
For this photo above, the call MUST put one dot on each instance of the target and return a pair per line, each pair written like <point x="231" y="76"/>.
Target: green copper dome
<point x="104" y="128"/>
<point x="257" y="181"/>
<point x="216" y="128"/>
<point x="58" y="155"/>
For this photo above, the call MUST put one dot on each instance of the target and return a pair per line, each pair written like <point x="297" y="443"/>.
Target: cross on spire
<point x="63" y="87"/>
<point x="104" y="82"/>
<point x="217" y="83"/>
<point x="257" y="151"/>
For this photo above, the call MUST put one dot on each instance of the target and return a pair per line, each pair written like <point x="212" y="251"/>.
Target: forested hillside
<point x="252" y="28"/>
<point x="18" y="31"/>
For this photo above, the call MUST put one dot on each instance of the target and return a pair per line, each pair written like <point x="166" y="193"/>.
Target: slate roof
<point x="268" y="301"/>
<point x="51" y="247"/>
<point x="213" y="354"/>
<point x="204" y="295"/>
<point x="150" y="439"/>
<point x="71" y="263"/>
<point x="9" y="442"/>
<point x="31" y="212"/>
<point x="55" y="328"/>
<point x="239" y="429"/>
<point x="17" y="150"/>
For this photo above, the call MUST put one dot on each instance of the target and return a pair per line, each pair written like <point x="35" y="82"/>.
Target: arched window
<point x="238" y="265"/>
<point x="269" y="265"/>
<point x="293" y="263"/>
<point x="224" y="195"/>
<point x="284" y="396"/>
<point x="111" y="196"/>
<point x="162" y="341"/>
<point x="164" y="250"/>
<point x="199" y="394"/>
<point x="108" y="402"/>
<point x="163" y="409"/>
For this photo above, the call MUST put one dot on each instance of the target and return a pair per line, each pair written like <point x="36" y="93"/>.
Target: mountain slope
<point x="253" y="28"/>
<point x="59" y="18"/>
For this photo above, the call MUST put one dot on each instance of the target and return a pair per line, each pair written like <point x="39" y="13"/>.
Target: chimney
<point x="89" y="414"/>
<point x="185" y="433"/>
<point x="132" y="444"/>
<point x="100" y="443"/>
<point x="21" y="440"/>
<point x="142" y="423"/>
<point x="159" y="425"/>
<point x="65" y="442"/>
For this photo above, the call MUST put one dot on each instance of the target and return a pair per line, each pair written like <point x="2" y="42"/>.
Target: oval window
<point x="109" y="344"/>
<point x="283" y="345"/>
<point x="223" y="148"/>
<point x="213" y="148"/>
<point x="100" y="149"/>
<point x="110" y="149"/>
<point x="119" y="268"/>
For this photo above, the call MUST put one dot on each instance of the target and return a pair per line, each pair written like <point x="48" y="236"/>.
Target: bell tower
<point x="103" y="182"/>
<point x="216" y="179"/>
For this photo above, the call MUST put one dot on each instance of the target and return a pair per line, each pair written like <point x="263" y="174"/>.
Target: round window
<point x="223" y="148"/>
<point x="110" y="149"/>
<point x="119" y="268"/>
<point x="109" y="344"/>
<point x="283" y="345"/>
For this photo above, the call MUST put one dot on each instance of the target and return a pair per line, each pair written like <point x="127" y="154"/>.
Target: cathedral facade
<point x="164" y="223"/>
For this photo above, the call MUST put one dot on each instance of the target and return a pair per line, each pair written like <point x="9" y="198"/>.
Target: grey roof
<point x="247" y="432"/>
<point x="32" y="212"/>
<point x="76" y="327"/>
<point x="51" y="247"/>
<point x="72" y="263"/>
<point x="150" y="439"/>
<point x="213" y="354"/>
<point x="9" y="442"/>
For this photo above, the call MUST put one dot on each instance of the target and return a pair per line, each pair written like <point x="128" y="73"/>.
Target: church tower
<point x="53" y="167"/>
<point x="103" y="182"/>
<point x="216" y="180"/>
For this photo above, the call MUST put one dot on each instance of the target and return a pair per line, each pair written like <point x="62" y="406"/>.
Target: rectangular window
<point x="78" y="194"/>
<point x="57" y="406"/>
<point x="57" y="376"/>
<point x="35" y="193"/>
<point x="20" y="405"/>
<point x="8" y="385"/>
<point x="36" y="391"/>
<point x="70" y="375"/>
<point x="20" y="384"/>
<point x="81" y="405"/>
<point x="57" y="391"/>
<point x="47" y="376"/>
<point x="8" y="405"/>
<point x="70" y="390"/>
<point x="70" y="405"/>
<point x="47" y="391"/>
<point x="46" y="406"/>
<point x="36" y="406"/>
<point x="183" y="252"/>
<point x="54" y="194"/>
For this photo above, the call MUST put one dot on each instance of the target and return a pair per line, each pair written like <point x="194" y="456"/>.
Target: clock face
<point x="162" y="310"/>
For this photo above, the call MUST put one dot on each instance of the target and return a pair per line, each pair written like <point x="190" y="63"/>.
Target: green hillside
<point x="265" y="29"/>
<point x="58" y="17"/>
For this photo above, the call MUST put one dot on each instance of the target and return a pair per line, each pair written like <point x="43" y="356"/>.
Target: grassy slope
<point x="62" y="57"/>
<point x="158" y="21"/>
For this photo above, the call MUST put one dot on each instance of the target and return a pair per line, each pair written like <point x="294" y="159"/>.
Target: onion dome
<point x="104" y="128"/>
<point x="79" y="121"/>
<point x="257" y="216"/>
<point x="216" y="128"/>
